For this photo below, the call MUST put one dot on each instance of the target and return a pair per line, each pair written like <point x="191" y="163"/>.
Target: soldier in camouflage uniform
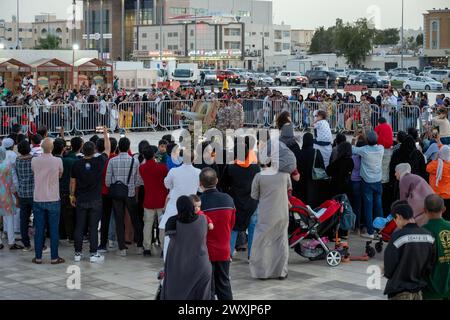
<point x="366" y="115"/>
<point x="230" y="116"/>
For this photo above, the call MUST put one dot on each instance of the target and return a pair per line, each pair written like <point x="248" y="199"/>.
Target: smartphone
<point x="99" y="129"/>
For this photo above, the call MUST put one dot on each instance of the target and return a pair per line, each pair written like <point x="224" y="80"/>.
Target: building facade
<point x="208" y="44"/>
<point x="44" y="25"/>
<point x="436" y="25"/>
<point x="8" y="34"/>
<point x="301" y="40"/>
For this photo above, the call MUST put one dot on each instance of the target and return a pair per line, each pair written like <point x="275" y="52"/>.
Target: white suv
<point x="292" y="78"/>
<point x="439" y="74"/>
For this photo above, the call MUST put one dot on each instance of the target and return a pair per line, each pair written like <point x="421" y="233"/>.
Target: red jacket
<point x="219" y="207"/>
<point x="385" y="135"/>
<point x="105" y="189"/>
<point x="153" y="175"/>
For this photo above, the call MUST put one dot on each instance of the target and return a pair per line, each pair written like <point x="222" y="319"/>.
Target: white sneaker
<point x="111" y="244"/>
<point x="367" y="236"/>
<point x="77" y="257"/>
<point x="122" y="253"/>
<point x="97" y="258"/>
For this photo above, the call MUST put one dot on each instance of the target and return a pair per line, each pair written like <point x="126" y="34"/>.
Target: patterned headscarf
<point x="444" y="155"/>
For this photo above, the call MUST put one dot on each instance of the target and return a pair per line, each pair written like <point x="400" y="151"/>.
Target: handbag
<point x="318" y="173"/>
<point x="118" y="190"/>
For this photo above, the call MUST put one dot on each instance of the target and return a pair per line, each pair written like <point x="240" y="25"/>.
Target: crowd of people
<point x="199" y="211"/>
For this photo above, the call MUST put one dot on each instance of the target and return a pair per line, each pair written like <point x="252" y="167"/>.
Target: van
<point x="439" y="74"/>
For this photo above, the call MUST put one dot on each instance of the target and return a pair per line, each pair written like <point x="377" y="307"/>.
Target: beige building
<point x="31" y="32"/>
<point x="301" y="40"/>
<point x="8" y="34"/>
<point x="436" y="25"/>
<point x="44" y="25"/>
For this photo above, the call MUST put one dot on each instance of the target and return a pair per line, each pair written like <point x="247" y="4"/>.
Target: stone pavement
<point x="134" y="277"/>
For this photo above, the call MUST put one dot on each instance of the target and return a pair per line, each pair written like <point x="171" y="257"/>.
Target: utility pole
<point x="263" y="53"/>
<point x="138" y="22"/>
<point x="195" y="34"/>
<point x="17" y="28"/>
<point x="403" y="41"/>
<point x="101" y="29"/>
<point x="88" y="21"/>
<point x="123" y="32"/>
<point x="160" y="29"/>
<point x="74" y="31"/>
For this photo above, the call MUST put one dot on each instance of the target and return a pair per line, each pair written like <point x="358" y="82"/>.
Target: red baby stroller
<point x="382" y="235"/>
<point x="307" y="226"/>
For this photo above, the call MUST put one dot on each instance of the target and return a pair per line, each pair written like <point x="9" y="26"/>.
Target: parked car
<point x="413" y="70"/>
<point x="229" y="75"/>
<point x="371" y="80"/>
<point x="422" y="83"/>
<point x="439" y="74"/>
<point x="380" y="74"/>
<point x="352" y="74"/>
<point x="262" y="79"/>
<point x="292" y="78"/>
<point x="427" y="69"/>
<point x="402" y="76"/>
<point x="395" y="71"/>
<point x="320" y="77"/>
<point x="446" y="83"/>
<point x="210" y="76"/>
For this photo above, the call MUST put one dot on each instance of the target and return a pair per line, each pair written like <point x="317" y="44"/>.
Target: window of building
<point x="192" y="33"/>
<point x="144" y="47"/>
<point x="232" y="45"/>
<point x="35" y="30"/>
<point x="266" y="47"/>
<point x="178" y="11"/>
<point x="277" y="34"/>
<point x="286" y="46"/>
<point x="156" y="46"/>
<point x="169" y="35"/>
<point x="9" y="29"/>
<point x="434" y="44"/>
<point x="156" y="36"/>
<point x="434" y="26"/>
<point x="30" y="30"/>
<point x="266" y="34"/>
<point x="192" y="46"/>
<point x="286" y="34"/>
<point x="243" y="13"/>
<point x="67" y="30"/>
<point x="20" y="30"/>
<point x="253" y="33"/>
<point x="232" y="31"/>
<point x="144" y="35"/>
<point x="175" y="34"/>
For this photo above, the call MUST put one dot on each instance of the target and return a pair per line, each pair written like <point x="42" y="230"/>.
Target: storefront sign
<point x="152" y="54"/>
<point x="216" y="53"/>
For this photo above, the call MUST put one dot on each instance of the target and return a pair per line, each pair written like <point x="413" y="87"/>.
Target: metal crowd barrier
<point x="137" y="115"/>
<point x="53" y="117"/>
<point x="151" y="115"/>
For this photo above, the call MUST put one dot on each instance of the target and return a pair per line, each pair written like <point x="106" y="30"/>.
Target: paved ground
<point x="134" y="277"/>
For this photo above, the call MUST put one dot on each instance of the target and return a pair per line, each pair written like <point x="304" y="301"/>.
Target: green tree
<point x="322" y="41"/>
<point x="50" y="42"/>
<point x="419" y="39"/>
<point x="353" y="41"/>
<point x="386" y="37"/>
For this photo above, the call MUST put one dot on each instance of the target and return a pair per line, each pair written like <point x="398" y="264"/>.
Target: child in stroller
<point x="384" y="227"/>
<point x="307" y="228"/>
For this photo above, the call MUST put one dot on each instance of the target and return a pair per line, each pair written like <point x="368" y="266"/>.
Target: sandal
<point x="58" y="261"/>
<point x="37" y="261"/>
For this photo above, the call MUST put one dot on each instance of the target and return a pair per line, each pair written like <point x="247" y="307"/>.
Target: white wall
<point x="30" y="56"/>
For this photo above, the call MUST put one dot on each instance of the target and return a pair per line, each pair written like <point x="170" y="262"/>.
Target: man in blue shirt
<point x="371" y="175"/>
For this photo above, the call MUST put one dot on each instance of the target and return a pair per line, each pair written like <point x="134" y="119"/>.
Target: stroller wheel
<point x="334" y="258"/>
<point x="370" y="251"/>
<point x="379" y="247"/>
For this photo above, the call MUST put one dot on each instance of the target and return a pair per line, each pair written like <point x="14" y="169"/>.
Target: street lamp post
<point x="17" y="27"/>
<point x="403" y="41"/>
<point x="75" y="47"/>
<point x="160" y="29"/>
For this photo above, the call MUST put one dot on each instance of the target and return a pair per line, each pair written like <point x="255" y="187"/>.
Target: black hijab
<point x="344" y="150"/>
<point x="308" y="141"/>
<point x="186" y="210"/>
